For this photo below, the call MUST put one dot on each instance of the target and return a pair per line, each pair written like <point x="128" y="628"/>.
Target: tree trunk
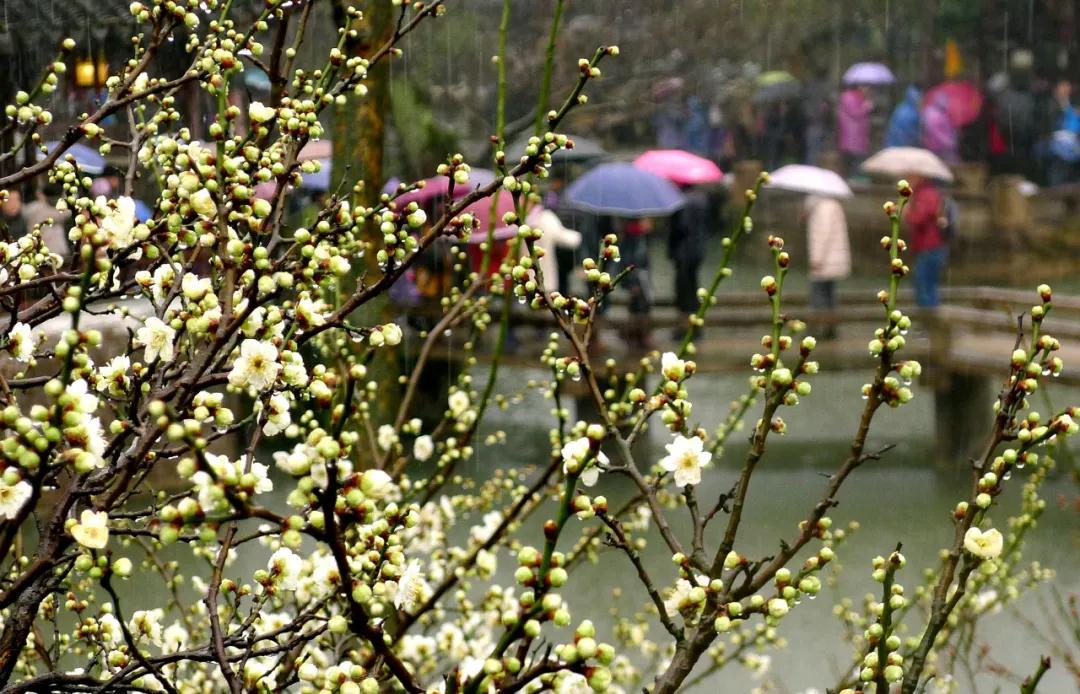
<point x="359" y="137"/>
<point x="687" y="655"/>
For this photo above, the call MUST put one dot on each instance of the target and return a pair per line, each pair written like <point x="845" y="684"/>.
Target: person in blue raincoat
<point x="905" y="122"/>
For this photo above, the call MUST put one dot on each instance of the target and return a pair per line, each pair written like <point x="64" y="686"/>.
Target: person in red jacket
<point x="926" y="240"/>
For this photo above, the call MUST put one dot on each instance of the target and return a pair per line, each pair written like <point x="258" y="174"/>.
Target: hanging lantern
<point x="85" y="73"/>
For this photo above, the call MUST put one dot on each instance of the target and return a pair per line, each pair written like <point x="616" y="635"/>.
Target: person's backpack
<point x="949" y="218"/>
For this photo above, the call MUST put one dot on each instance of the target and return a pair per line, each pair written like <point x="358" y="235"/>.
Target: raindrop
<point x="521" y="299"/>
<point x="1007" y="475"/>
<point x="576" y="376"/>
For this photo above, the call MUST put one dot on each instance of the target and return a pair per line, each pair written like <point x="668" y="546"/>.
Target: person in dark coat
<point x="686" y="246"/>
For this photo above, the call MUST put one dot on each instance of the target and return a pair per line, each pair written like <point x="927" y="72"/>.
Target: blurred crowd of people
<point x="1016" y="123"/>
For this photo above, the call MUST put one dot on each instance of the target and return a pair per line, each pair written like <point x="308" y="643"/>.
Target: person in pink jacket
<point x="829" y="254"/>
<point x="853" y="127"/>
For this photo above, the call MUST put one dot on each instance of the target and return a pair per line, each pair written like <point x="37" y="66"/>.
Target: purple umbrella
<point x="869" y="73"/>
<point x="623" y="190"/>
<point x="88" y="158"/>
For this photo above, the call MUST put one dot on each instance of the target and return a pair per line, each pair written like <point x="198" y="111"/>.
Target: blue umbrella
<point x="620" y="189"/>
<point x="142" y="211"/>
<point x="88" y="158"/>
<point x="320" y="180"/>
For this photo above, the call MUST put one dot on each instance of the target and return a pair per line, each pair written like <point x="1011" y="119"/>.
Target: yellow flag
<point x="954" y="63"/>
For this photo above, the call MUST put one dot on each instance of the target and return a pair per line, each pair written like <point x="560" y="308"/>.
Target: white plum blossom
<point x="483" y="532"/>
<point x="21" y="342"/>
<point x="92" y="530"/>
<point x="412" y="588"/>
<point x="423" y="448"/>
<point x="285" y="566"/>
<point x="984" y="544"/>
<point x="13" y="497"/>
<point x="681" y="595"/>
<point x="575" y="454"/>
<point x="112" y="378"/>
<point x="375" y="484"/>
<point x="109" y="629"/>
<point x="147" y="623"/>
<point x="257" y="366"/>
<point x="156" y="338"/>
<point x="296" y="462"/>
<point x="278" y="418"/>
<point x="83" y="401"/>
<point x="261" y="473"/>
<point x="309" y="313"/>
<point x="459" y="403"/>
<point x="387" y="437"/>
<point x="195" y="287"/>
<point x="173" y="638"/>
<point x="673" y="368"/>
<point x="686" y="456"/>
<point x="261" y="113"/>
<point x="119" y="221"/>
<point x="203" y="203"/>
<point x="293" y="372"/>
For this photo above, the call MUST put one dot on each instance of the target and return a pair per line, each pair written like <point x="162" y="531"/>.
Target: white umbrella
<point x="908" y="161"/>
<point x="812" y="180"/>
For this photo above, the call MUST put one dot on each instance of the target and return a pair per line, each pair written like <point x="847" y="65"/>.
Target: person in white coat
<point x="555" y="234"/>
<point x="829" y="254"/>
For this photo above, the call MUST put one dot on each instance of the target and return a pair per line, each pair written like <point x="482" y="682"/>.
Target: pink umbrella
<point x="439" y="186"/>
<point x="481" y="210"/>
<point x="503" y="234"/>
<point x="963" y="100"/>
<point x="316" y="149"/>
<point x="678" y="166"/>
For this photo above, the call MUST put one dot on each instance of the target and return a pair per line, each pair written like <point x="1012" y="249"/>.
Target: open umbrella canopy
<point x="869" y="74"/>
<point x="908" y="161"/>
<point x="812" y="180"/>
<point x="439" y="186"/>
<point x="481" y="210"/>
<point x="623" y="190"/>
<point x="316" y="149"/>
<point x="320" y="180"/>
<point x="774" y="77"/>
<point x="88" y="158"/>
<point x="963" y="100"/>
<point x="679" y="166"/>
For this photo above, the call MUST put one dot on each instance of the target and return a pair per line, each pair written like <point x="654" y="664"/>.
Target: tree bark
<point x="359" y="140"/>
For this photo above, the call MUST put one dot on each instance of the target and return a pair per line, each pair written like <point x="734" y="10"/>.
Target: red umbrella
<point x="963" y="100"/>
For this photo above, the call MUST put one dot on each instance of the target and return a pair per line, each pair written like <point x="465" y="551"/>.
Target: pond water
<point x="901" y="498"/>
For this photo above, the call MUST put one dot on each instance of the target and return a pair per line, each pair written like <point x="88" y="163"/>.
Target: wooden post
<point x="960" y="399"/>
